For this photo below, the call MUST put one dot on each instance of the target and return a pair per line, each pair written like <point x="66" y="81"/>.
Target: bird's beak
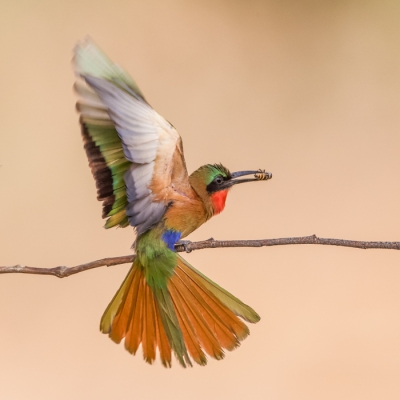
<point x="259" y="175"/>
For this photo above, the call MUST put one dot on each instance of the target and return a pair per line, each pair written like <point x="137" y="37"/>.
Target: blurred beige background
<point x="309" y="90"/>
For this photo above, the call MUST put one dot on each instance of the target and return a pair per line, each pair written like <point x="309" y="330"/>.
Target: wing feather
<point x="136" y="156"/>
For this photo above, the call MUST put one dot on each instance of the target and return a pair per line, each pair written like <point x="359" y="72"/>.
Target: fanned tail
<point x="191" y="316"/>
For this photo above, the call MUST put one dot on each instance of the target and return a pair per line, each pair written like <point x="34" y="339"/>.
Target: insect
<point x="262" y="175"/>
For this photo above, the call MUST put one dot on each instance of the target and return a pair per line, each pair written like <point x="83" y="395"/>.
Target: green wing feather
<point x="90" y="60"/>
<point x="108" y="164"/>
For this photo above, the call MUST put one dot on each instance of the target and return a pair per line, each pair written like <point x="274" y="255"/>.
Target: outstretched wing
<point x="135" y="155"/>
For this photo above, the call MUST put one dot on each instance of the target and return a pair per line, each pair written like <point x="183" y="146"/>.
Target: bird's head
<point x="213" y="181"/>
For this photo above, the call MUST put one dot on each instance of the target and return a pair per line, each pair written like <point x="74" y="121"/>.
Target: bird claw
<point x="184" y="243"/>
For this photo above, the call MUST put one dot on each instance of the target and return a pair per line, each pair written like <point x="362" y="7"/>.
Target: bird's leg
<point x="184" y="243"/>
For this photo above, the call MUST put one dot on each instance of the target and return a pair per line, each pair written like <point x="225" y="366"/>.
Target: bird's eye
<point x="219" y="180"/>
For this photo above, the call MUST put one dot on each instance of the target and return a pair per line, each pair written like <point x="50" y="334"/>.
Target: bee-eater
<point x="137" y="161"/>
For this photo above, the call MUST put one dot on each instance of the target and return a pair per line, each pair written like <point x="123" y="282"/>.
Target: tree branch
<point x="62" y="272"/>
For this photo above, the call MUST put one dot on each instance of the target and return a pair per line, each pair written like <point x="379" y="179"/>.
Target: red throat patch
<point x="218" y="199"/>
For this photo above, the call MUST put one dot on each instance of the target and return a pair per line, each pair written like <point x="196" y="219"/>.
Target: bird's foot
<point x="185" y="244"/>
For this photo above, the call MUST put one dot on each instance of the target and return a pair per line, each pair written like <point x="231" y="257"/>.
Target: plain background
<point x="309" y="90"/>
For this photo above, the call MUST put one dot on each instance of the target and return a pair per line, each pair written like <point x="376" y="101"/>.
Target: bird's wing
<point x="135" y="155"/>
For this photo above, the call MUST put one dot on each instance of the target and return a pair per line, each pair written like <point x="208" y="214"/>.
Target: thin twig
<point x="62" y="272"/>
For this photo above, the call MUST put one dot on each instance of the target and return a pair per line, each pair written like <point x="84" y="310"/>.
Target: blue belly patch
<point x="170" y="237"/>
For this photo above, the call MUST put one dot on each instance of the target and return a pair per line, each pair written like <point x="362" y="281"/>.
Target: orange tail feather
<point x="122" y="319"/>
<point x="149" y="332"/>
<point x="162" y="340"/>
<point x="134" y="334"/>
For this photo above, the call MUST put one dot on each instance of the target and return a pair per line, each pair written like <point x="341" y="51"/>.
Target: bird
<point x="164" y="305"/>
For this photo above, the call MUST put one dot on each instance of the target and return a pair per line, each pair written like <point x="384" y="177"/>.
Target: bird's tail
<point x="191" y="316"/>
